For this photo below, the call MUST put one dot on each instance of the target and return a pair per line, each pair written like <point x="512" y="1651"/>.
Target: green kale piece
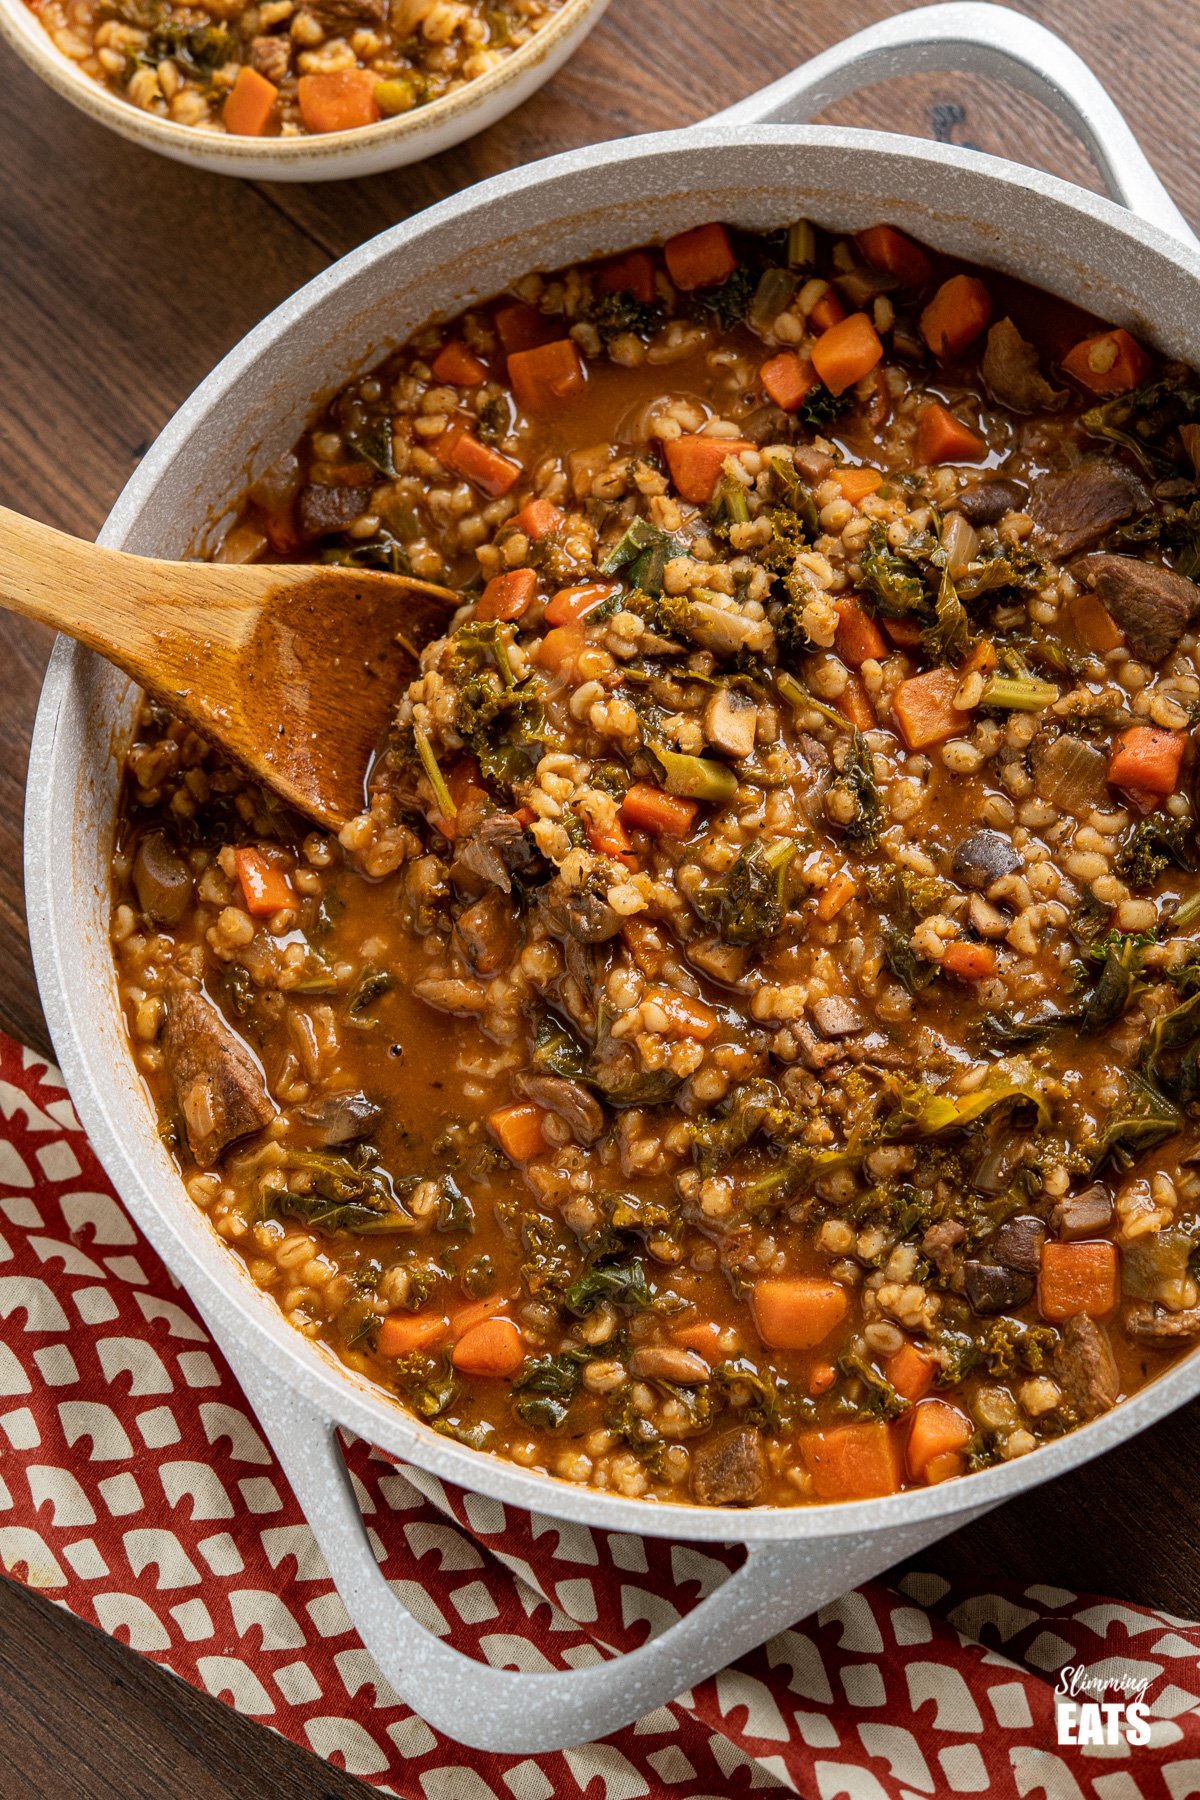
<point x="624" y="1283"/>
<point x="546" y="1386"/>
<point x="820" y="408"/>
<point x="351" y="1193"/>
<point x="1147" y="419"/>
<point x="1152" y="846"/>
<point x="747" y="906"/>
<point x="730" y="301"/>
<point x="641" y="555"/>
<point x="880" y="1400"/>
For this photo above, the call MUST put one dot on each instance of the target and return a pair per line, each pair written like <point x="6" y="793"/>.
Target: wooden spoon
<point x="291" y="668"/>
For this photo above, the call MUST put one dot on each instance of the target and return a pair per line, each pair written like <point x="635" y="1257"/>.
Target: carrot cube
<point x="518" y="1131"/>
<point x="700" y="258"/>
<point x="695" y="464"/>
<point x="854" y="704"/>
<point x="265" y="887"/>
<point x="958" y="313"/>
<point x="936" y="1438"/>
<point x="924" y="711"/>
<point x="1146" y="763"/>
<point x="797" y="1312"/>
<point x="406" y="1334"/>
<point x="910" y="1371"/>
<point x="522" y="327"/>
<point x="969" y="961"/>
<point x="457" y="366"/>
<point x="886" y="248"/>
<point x="341" y="100"/>
<point x="561" y="648"/>
<point x="633" y="274"/>
<point x="834" y="897"/>
<point x="571" y="604"/>
<point x="858" y="638"/>
<point x="787" y="379"/>
<point x="941" y="438"/>
<point x="826" y="310"/>
<point x="483" y="466"/>
<point x="548" y="376"/>
<point x="646" y="808"/>
<point x="1112" y="362"/>
<point x="538" y="518"/>
<point x="611" y="840"/>
<point x="507" y="596"/>
<point x="492" y="1349"/>
<point x="684" y="1015"/>
<point x="250" y="104"/>
<point x="1078" y="1278"/>
<point x="852" y="1462"/>
<point x="846" y="352"/>
<point x="857" y="483"/>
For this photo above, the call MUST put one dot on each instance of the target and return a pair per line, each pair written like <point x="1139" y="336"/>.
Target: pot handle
<point x="517" y="1712"/>
<point x="982" y="40"/>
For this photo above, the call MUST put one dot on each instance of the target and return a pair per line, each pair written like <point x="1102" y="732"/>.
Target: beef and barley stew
<point x="748" y="1046"/>
<point x="287" y="68"/>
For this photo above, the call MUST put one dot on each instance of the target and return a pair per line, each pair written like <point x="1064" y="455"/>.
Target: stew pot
<point x="1131" y="259"/>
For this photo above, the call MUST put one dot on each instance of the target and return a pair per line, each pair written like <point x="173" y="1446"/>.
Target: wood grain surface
<point x="123" y="278"/>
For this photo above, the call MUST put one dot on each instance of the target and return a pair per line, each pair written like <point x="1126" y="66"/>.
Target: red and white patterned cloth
<point x="136" y="1490"/>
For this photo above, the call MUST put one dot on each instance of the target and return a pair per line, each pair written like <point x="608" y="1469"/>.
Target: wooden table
<point x="123" y="278"/>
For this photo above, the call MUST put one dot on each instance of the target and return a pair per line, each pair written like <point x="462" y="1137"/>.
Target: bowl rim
<point x="310" y="1384"/>
<point x="23" y="30"/>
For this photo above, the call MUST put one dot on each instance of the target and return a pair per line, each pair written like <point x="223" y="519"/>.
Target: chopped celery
<point x="1018" y="693"/>
<point x="437" y="781"/>
<point x="695" y="777"/>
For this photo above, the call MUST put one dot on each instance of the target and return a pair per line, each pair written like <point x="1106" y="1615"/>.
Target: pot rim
<point x="299" y="1370"/>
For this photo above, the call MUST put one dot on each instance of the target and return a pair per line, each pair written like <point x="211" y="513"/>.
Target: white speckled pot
<point x="1137" y="267"/>
<point x="334" y="155"/>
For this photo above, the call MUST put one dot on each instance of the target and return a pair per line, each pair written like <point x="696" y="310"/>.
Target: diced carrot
<point x="936" y="1439"/>
<point x="468" y="793"/>
<point x="858" y="638"/>
<point x="821" y="1378"/>
<point x="835" y="895"/>
<point x="561" y="648"/>
<point x="852" y="1462"/>
<point x="1112" y="362"/>
<point x="854" y="704"/>
<point x="524" y="816"/>
<point x="924" y="711"/>
<point x="538" y="518"/>
<point x="632" y="274"/>
<point x="904" y="633"/>
<point x="857" y="483"/>
<point x="886" y="248"/>
<point x="1145" y="764"/>
<point x="959" y="311"/>
<point x="983" y="657"/>
<point x="700" y="258"/>
<point x="695" y="463"/>
<point x="483" y="466"/>
<point x="458" y="366"/>
<point x="405" y="1334"/>
<point x="352" y="474"/>
<point x="941" y="438"/>
<point x="686" y="1017"/>
<point x="1077" y="1278"/>
<point x="703" y="1336"/>
<point x="1090" y="625"/>
<point x="547" y="377"/>
<point x="571" y="604"/>
<point x="787" y="378"/>
<point x="265" y="887"/>
<point x="518" y="1130"/>
<point x="474" y="1312"/>
<point x="826" y="310"/>
<point x="846" y="352"/>
<point x="491" y="1348"/>
<point x="521" y="327"/>
<point x="797" y="1312"/>
<point x="342" y="100"/>
<point x="969" y="961"/>
<point x="250" y="104"/>
<point x="648" y="808"/>
<point x="507" y="596"/>
<point x="910" y="1371"/>
<point x="611" y="840"/>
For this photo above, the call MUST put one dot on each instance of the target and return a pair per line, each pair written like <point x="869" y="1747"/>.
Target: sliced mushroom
<point x="992" y="1287"/>
<point x="658" y="1362"/>
<point x="340" y="1118"/>
<point x="1018" y="1244"/>
<point x="571" y="1102"/>
<point x="579" y="913"/>
<point x="1083" y="1215"/>
<point x="161" y="880"/>
<point x="731" y="722"/>
<point x="984" y="857"/>
<point x="499" y="849"/>
<point x="812" y="463"/>
<point x="1012" y="374"/>
<point x="835" y="1017"/>
<point x="986" y="920"/>
<point x="986" y="502"/>
<point x="1159" y="1329"/>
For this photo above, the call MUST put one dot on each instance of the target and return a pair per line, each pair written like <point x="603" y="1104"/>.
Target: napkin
<point x="137" y="1491"/>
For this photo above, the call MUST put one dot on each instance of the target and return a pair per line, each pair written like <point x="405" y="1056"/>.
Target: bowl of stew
<point x="735" y="1076"/>
<point x="285" y="91"/>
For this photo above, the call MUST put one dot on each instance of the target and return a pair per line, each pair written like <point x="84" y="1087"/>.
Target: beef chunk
<point x="1153" y="606"/>
<point x="1159" y="1329"/>
<point x="1072" y="511"/>
<point x="580" y="913"/>
<point x="993" y="1287"/>
<point x="271" y="57"/>
<point x="487" y="932"/>
<point x="320" y="511"/>
<point x="219" y="1087"/>
<point x="581" y="1110"/>
<point x="1084" y="1368"/>
<point x="731" y="722"/>
<point x="496" y="851"/>
<point x="986" y="502"/>
<point x="835" y="1017"/>
<point x="729" y="1471"/>
<point x="1012" y="375"/>
<point x="340" y="1118"/>
<point x="161" y="879"/>
<point x="1018" y="1244"/>
<point x="941" y="1244"/>
<point x="984" y="857"/>
<point x="1083" y="1215"/>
